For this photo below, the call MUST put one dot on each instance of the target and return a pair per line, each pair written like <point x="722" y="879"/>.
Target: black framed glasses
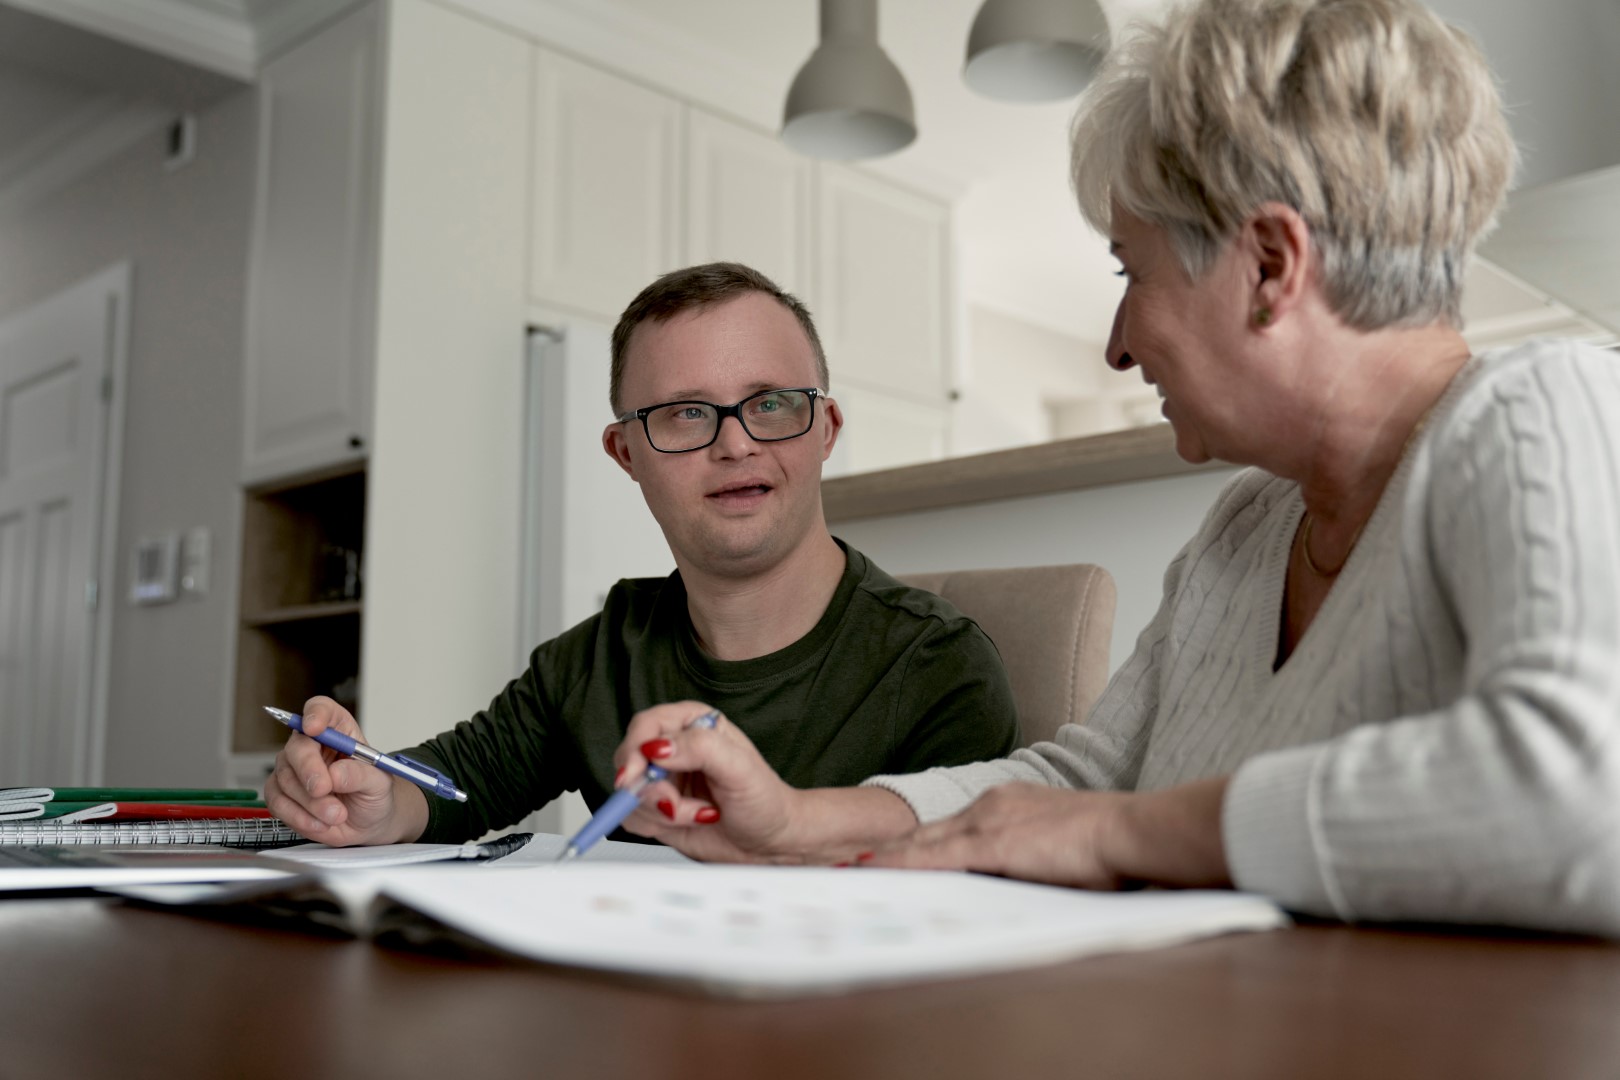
<point x="677" y="427"/>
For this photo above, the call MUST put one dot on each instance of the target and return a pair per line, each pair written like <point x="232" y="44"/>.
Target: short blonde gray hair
<point x="1378" y="122"/>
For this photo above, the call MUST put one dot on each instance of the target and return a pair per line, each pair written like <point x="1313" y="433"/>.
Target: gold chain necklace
<point x="1305" y="530"/>
<point x="1305" y="549"/>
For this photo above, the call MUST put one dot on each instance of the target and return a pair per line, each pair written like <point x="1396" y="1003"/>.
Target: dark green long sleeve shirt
<point x="891" y="680"/>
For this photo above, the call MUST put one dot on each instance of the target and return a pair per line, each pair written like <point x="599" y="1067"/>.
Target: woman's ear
<point x="1276" y="243"/>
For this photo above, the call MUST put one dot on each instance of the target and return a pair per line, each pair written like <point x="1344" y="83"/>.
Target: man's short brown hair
<point x="692" y="289"/>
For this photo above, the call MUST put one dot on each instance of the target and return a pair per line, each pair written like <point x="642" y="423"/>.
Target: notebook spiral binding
<point x="225" y="832"/>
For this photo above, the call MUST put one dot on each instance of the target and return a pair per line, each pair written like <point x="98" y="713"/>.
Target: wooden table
<point x="91" y="988"/>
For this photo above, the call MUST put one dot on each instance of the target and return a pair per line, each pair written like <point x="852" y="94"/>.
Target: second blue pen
<point x="622" y="803"/>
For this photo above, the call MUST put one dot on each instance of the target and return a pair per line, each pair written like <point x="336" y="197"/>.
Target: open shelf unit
<point x="302" y="551"/>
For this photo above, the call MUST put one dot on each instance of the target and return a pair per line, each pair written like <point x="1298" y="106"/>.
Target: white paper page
<point x="19" y="803"/>
<point x="82" y="867"/>
<point x="341" y="858"/>
<point x="765" y="930"/>
<point x="546" y="847"/>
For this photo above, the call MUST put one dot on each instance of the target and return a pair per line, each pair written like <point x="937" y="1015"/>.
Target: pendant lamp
<point x="1035" y="50"/>
<point x="849" y="101"/>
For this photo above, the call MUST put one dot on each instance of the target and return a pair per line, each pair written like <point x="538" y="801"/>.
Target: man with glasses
<point x="835" y="670"/>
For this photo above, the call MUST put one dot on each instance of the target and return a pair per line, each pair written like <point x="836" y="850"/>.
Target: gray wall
<point x="186" y="235"/>
<point x="1557" y="62"/>
<point x="1130" y="530"/>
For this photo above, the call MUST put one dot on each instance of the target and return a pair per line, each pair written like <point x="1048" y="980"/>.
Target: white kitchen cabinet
<point x="312" y="274"/>
<point x="748" y="201"/>
<point x="629" y="183"/>
<point x="392" y="313"/>
<point x="607" y="187"/>
<point x="882" y="286"/>
<point x="884" y="431"/>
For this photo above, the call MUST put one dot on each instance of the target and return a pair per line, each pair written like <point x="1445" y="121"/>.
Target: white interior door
<point x="55" y="370"/>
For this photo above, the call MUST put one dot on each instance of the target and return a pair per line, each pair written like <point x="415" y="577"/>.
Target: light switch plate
<point x="153" y="569"/>
<point x="195" y="553"/>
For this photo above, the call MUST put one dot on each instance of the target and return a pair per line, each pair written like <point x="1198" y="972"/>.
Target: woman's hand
<point x="1021" y="831"/>
<point x="723" y="803"/>
<point x="1087" y="839"/>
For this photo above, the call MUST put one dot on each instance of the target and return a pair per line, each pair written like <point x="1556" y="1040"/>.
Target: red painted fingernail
<point x="654" y="749"/>
<point x="667" y="808"/>
<point x="839" y="865"/>
<point x="865" y="856"/>
<point x="618" y="776"/>
<point x="707" y="816"/>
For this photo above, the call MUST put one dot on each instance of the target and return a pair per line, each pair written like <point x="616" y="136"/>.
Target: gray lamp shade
<point x="1035" y="50"/>
<point x="849" y="101"/>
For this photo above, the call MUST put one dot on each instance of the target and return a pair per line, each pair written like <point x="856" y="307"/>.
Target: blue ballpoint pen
<point x="417" y="773"/>
<point x="622" y="803"/>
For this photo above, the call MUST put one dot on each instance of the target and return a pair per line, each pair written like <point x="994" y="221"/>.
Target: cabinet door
<point x="312" y="278"/>
<point x="606" y="187"/>
<point x="747" y="201"/>
<point x="882" y="286"/>
<point x="883" y="431"/>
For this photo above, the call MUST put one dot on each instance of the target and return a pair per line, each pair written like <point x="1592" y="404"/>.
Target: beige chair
<point x="1052" y="626"/>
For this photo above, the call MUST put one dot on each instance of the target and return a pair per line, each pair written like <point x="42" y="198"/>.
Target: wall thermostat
<point x="155" y="570"/>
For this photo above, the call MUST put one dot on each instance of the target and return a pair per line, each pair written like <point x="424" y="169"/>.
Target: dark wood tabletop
<point x="94" y="988"/>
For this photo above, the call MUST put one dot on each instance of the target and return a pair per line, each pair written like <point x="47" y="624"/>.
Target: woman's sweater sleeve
<point x="1503" y="806"/>
<point x="1105" y="753"/>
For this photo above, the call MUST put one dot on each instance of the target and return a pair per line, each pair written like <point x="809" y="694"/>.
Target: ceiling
<point x="1022" y="248"/>
<point x="70" y="97"/>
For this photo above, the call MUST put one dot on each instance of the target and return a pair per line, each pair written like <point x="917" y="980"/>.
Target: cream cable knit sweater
<point x="1443" y="742"/>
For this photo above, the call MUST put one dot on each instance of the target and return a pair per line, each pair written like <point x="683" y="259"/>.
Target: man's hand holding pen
<point x="338" y="800"/>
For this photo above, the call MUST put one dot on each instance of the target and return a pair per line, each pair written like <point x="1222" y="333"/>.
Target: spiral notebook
<point x="225" y="832"/>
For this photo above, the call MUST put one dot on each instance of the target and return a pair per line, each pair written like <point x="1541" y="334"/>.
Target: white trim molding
<point x="229" y="37"/>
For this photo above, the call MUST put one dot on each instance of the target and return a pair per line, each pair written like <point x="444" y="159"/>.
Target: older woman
<point x="1384" y="681"/>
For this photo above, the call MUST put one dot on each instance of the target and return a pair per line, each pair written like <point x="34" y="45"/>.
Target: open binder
<point x="736" y="930"/>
